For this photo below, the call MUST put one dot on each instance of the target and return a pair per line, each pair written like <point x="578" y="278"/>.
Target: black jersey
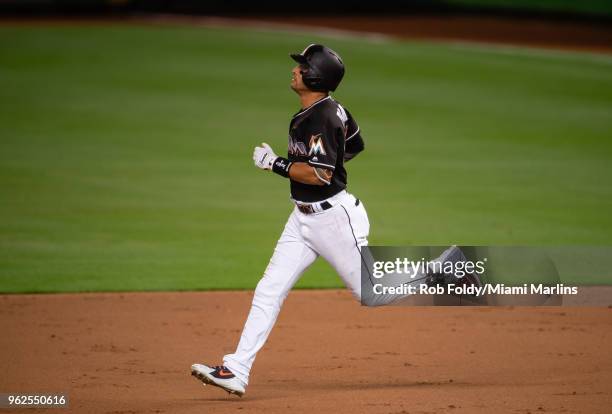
<point x="320" y="135"/>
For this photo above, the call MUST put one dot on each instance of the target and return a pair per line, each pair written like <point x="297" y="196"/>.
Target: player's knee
<point x="269" y="294"/>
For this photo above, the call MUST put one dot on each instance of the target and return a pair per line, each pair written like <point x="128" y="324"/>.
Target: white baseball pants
<point x="335" y="234"/>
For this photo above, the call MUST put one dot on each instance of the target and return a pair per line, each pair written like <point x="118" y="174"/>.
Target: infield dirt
<point x="496" y="30"/>
<point x="534" y="32"/>
<point x="131" y="353"/>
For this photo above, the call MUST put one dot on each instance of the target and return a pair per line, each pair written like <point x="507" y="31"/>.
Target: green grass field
<point x="125" y="152"/>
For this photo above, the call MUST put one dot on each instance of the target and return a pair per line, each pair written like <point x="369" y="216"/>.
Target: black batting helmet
<point x="323" y="68"/>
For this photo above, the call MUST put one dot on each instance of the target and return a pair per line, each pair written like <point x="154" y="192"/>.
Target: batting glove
<point x="264" y="157"/>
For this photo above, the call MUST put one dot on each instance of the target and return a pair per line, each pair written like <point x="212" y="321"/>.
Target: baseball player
<point x="326" y="221"/>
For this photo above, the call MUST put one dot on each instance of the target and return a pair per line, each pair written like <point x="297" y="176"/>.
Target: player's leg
<point x="291" y="257"/>
<point x="345" y="232"/>
<point x="453" y="255"/>
<point x="338" y="234"/>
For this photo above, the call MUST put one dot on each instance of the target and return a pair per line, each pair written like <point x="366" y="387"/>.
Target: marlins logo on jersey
<point x="316" y="145"/>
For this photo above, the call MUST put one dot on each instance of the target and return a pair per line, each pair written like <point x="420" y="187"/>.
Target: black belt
<point x="309" y="209"/>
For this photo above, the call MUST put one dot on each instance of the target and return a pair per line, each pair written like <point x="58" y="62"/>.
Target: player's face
<point x="296" y="79"/>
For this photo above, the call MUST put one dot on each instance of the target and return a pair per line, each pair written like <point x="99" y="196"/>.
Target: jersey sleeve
<point x="354" y="141"/>
<point x="323" y="145"/>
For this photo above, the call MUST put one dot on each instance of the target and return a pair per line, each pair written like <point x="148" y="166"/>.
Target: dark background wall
<point x="555" y="9"/>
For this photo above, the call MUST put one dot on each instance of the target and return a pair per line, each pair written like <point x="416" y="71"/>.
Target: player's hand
<point x="264" y="157"/>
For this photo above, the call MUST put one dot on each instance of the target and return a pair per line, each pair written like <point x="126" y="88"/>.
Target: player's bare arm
<point x="307" y="174"/>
